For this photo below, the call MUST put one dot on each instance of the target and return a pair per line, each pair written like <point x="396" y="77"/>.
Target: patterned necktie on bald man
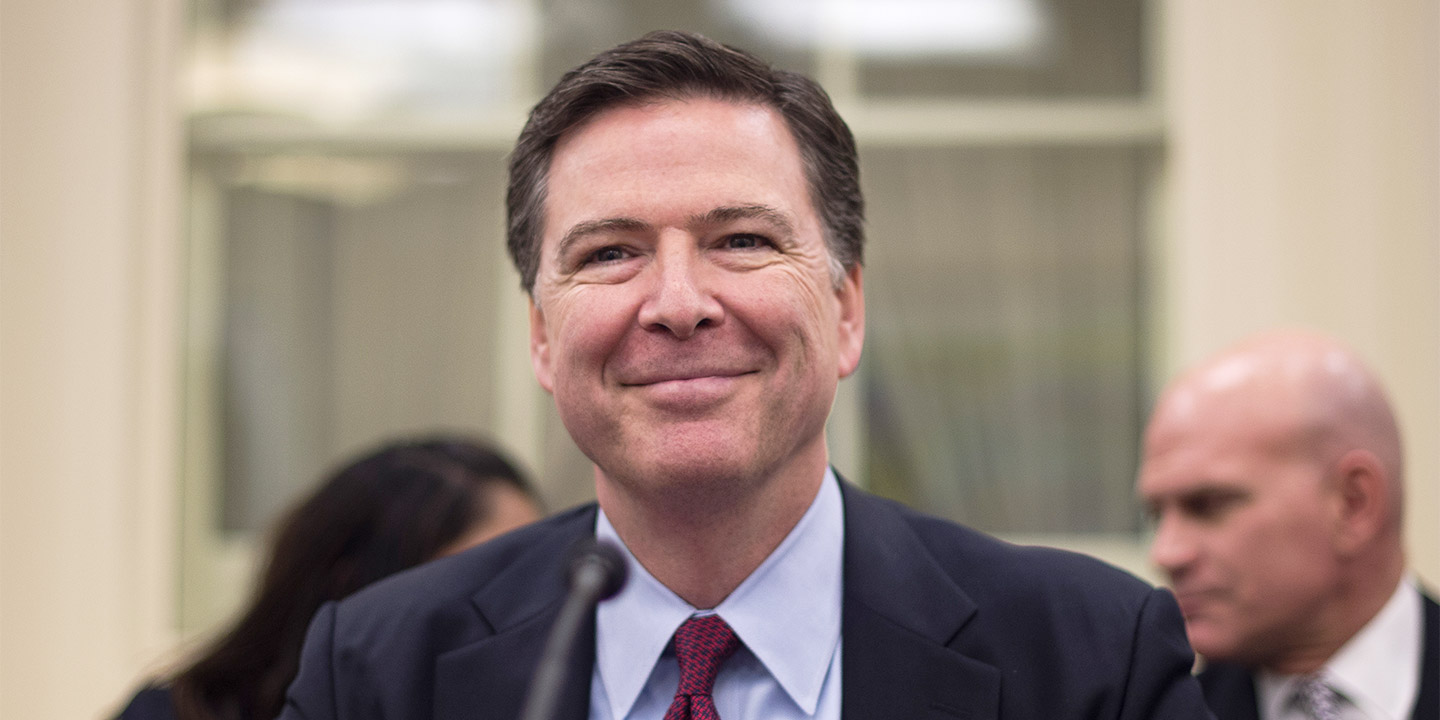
<point x="702" y="644"/>
<point x="1318" y="699"/>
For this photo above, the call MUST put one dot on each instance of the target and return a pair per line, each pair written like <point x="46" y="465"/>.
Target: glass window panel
<point x="358" y="300"/>
<point x="1018" y="48"/>
<point x="1003" y="354"/>
<point x="357" y="60"/>
<point x="574" y="30"/>
<point x="901" y="48"/>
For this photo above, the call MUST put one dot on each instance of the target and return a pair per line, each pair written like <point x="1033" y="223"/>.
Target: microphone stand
<point x="597" y="572"/>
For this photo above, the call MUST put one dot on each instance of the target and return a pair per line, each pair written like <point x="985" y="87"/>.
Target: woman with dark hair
<point x="398" y="506"/>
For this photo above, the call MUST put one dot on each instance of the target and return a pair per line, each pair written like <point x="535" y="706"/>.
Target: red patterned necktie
<point x="701" y="645"/>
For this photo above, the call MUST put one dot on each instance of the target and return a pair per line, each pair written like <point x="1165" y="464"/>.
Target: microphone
<point x="597" y="572"/>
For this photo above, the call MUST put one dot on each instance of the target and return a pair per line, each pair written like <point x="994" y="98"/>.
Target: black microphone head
<point x="598" y="562"/>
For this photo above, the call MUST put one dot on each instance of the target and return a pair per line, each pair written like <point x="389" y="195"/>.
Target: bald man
<point x="1273" y="473"/>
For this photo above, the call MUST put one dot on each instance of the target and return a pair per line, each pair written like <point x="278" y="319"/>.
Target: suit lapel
<point x="489" y="678"/>
<point x="900" y="612"/>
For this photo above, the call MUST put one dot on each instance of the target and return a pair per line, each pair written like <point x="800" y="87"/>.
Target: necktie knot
<point x="702" y="644"/>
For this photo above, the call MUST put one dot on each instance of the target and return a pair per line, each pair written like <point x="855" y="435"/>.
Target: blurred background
<point x="241" y="240"/>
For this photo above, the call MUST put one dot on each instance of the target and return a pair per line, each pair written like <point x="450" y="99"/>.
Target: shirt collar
<point x="1381" y="664"/>
<point x="787" y="612"/>
<point x="1378" y="669"/>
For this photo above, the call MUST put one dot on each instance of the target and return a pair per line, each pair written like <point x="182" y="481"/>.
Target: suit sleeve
<point x="312" y="694"/>
<point x="1160" y="682"/>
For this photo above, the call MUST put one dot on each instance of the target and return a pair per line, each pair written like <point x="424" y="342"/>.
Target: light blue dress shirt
<point x="787" y="614"/>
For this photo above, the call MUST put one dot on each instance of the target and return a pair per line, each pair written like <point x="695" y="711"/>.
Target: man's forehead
<point x="1181" y="473"/>
<point x="1215" y="435"/>
<point x="633" y="111"/>
<point x="1185" y="476"/>
<point x="1221" y="455"/>
<point x="738" y="160"/>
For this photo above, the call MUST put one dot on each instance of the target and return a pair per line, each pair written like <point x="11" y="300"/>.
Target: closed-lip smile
<point x="683" y="378"/>
<point x="686" y="391"/>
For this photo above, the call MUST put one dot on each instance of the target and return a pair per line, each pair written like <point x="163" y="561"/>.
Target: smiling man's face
<point x="685" y="317"/>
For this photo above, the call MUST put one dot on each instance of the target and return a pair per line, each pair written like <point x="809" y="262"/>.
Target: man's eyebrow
<point x="717" y="216"/>
<point x="592" y="227"/>
<point x="731" y="213"/>
<point x="1211" y="491"/>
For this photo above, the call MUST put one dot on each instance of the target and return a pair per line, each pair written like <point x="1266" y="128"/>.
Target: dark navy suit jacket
<point x="1230" y="689"/>
<point x="150" y="703"/>
<point x="938" y="621"/>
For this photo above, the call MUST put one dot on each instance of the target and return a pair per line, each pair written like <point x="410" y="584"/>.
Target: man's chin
<point x="687" y="475"/>
<point x="703" y="447"/>
<point x="673" y="472"/>
<point x="1210" y="644"/>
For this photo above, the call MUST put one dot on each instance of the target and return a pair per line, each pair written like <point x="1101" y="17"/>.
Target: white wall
<point x="1304" y="186"/>
<point x="89" y="151"/>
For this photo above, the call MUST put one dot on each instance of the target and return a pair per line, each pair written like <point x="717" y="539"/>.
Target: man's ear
<point x="540" y="348"/>
<point x="851" y="338"/>
<point x="1361" y="500"/>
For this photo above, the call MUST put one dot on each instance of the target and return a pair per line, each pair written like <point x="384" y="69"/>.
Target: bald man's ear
<point x="1362" y="501"/>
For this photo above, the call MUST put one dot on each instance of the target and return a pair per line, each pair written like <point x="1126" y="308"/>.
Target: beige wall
<point x="88" y="307"/>
<point x="1303" y="188"/>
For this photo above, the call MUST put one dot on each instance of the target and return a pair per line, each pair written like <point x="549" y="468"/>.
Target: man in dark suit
<point x="1274" y="472"/>
<point x="687" y="222"/>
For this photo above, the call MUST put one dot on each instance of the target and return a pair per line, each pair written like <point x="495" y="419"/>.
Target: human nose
<point x="680" y="301"/>
<point x="1173" y="548"/>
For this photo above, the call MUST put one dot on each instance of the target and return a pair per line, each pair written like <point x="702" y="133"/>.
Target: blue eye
<point x="745" y="241"/>
<point x="607" y="254"/>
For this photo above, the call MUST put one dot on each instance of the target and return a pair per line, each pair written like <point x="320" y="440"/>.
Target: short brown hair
<point x="675" y="65"/>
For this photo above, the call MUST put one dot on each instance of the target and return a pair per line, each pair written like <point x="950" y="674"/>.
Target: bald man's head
<point x="1307" y="391"/>
<point x="1274" y="474"/>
